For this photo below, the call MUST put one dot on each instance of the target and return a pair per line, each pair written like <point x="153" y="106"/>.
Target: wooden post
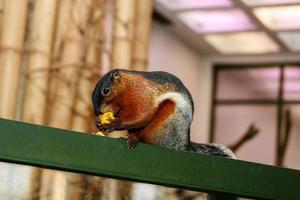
<point x="142" y="29"/>
<point x="123" y="29"/>
<point x="1" y="15"/>
<point x="1" y="19"/>
<point x="91" y="71"/>
<point x="40" y="43"/>
<point x="71" y="61"/>
<point x="62" y="23"/>
<point x="12" y="39"/>
<point x="62" y="26"/>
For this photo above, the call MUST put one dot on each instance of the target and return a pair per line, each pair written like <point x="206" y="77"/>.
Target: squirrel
<point x="154" y="107"/>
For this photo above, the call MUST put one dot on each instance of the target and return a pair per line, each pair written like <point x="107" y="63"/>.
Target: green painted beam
<point x="72" y="151"/>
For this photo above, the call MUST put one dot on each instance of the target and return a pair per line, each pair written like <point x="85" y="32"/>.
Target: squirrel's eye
<point x="116" y="75"/>
<point x="106" y="91"/>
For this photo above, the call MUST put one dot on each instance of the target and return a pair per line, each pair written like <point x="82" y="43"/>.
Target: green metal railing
<point x="72" y="151"/>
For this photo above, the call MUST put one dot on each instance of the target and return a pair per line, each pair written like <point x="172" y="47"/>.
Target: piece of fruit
<point x="107" y="117"/>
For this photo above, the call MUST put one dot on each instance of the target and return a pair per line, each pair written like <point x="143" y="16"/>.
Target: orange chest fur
<point x="135" y="100"/>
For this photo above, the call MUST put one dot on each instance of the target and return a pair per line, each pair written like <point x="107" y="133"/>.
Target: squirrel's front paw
<point x="132" y="141"/>
<point x="106" y="128"/>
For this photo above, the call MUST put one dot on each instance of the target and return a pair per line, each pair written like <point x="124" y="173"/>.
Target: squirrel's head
<point x="108" y="88"/>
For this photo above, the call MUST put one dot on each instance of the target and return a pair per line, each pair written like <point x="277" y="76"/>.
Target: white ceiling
<point x="201" y="43"/>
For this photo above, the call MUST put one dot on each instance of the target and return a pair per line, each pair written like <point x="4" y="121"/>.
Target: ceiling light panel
<point x="242" y="43"/>
<point x="216" y="20"/>
<point x="268" y="2"/>
<point x="175" y="5"/>
<point x="279" y="17"/>
<point x="290" y="39"/>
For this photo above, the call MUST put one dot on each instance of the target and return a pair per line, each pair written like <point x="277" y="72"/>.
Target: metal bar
<point x="243" y="66"/>
<point x="247" y="102"/>
<point x="253" y="101"/>
<point x="261" y="26"/>
<point x="291" y="102"/>
<point x="213" y="108"/>
<point x="280" y="106"/>
<point x="72" y="151"/>
<point x="273" y="4"/>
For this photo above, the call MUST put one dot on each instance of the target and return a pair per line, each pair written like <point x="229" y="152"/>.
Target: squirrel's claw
<point x="106" y="128"/>
<point x="98" y="124"/>
<point x="132" y="141"/>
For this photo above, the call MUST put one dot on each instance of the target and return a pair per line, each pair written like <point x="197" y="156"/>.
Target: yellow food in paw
<point x="107" y="117"/>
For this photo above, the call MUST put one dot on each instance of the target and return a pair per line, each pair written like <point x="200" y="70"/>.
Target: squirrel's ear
<point x="115" y="75"/>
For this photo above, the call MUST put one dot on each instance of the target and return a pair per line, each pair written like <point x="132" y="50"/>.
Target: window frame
<point x="279" y="102"/>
